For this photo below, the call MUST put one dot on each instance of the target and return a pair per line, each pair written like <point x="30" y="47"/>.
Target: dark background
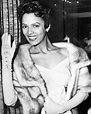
<point x="72" y="19"/>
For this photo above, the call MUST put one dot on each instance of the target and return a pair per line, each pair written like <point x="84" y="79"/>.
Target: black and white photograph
<point x="45" y="56"/>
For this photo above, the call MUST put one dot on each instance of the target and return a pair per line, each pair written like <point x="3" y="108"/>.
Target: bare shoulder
<point x="62" y="48"/>
<point x="63" y="51"/>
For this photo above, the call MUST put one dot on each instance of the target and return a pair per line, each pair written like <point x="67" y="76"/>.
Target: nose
<point x="30" y="30"/>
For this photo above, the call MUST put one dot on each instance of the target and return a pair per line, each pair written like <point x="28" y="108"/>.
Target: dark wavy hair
<point x="39" y="8"/>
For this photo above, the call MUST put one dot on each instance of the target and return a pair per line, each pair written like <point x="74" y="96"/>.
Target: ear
<point x="47" y="29"/>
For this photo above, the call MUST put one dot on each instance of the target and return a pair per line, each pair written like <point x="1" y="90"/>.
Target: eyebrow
<point x="24" y="24"/>
<point x="32" y="23"/>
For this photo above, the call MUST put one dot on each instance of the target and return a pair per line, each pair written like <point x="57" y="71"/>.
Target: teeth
<point x="32" y="38"/>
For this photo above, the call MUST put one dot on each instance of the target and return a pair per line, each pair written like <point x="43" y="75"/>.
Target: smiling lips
<point x="32" y="38"/>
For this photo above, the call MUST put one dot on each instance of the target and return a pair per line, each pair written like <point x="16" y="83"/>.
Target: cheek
<point x="24" y="31"/>
<point x="42" y="31"/>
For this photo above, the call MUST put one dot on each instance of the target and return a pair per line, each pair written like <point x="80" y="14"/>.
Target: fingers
<point x="3" y="39"/>
<point x="14" y="45"/>
<point x="6" y="40"/>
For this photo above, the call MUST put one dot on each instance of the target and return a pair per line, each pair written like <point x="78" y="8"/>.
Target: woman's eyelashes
<point x="24" y="26"/>
<point x="36" y="25"/>
<point x="32" y="26"/>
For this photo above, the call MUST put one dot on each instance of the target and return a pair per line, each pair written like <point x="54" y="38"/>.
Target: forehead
<point x="31" y="18"/>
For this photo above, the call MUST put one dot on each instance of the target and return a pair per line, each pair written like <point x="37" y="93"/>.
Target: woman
<point x="51" y="77"/>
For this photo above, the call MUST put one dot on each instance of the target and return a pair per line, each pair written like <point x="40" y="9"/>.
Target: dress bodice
<point x="56" y="80"/>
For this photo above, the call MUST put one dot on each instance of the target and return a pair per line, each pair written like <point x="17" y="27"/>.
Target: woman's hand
<point x="51" y="107"/>
<point x="7" y="50"/>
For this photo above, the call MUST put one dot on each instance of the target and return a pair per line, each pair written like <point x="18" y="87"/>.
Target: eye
<point x="36" y="26"/>
<point x="24" y="26"/>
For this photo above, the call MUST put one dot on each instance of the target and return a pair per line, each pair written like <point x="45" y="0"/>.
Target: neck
<point x="43" y="47"/>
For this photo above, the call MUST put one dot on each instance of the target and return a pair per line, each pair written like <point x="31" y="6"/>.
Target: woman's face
<point x="33" y="28"/>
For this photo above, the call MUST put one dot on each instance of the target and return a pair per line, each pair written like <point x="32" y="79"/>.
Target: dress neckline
<point x="39" y="66"/>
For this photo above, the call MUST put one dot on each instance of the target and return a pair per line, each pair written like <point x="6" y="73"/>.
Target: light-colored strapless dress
<point x="56" y="80"/>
